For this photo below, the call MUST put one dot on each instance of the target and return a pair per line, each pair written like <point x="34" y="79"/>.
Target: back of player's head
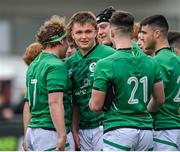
<point x="123" y="21"/>
<point x="32" y="52"/>
<point x="156" y="21"/>
<point x="174" y="39"/>
<point x="52" y="31"/>
<point x="105" y="15"/>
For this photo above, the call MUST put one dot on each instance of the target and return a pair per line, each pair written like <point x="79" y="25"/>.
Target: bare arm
<point x="97" y="100"/>
<point x="57" y="114"/>
<point x="158" y="97"/>
<point x="75" y="125"/>
<point x="26" y="120"/>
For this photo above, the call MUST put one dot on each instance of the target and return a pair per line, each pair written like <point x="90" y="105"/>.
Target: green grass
<point x="8" y="143"/>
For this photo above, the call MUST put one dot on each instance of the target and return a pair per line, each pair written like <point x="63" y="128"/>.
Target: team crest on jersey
<point x="92" y="66"/>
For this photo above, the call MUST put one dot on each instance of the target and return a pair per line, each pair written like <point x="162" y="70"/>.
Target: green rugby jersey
<point x="47" y="73"/>
<point x="82" y="74"/>
<point x="168" y="116"/>
<point x="67" y="100"/>
<point x="133" y="77"/>
<point x="137" y="49"/>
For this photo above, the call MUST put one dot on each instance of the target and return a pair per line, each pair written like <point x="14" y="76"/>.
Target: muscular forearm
<point x="75" y="119"/>
<point x="26" y="116"/>
<point x="57" y="115"/>
<point x="153" y="105"/>
<point x="75" y="126"/>
<point x="158" y="97"/>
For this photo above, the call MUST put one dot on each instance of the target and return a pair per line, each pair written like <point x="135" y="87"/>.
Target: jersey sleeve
<point x="26" y="99"/>
<point x="158" y="77"/>
<point x="57" y="78"/>
<point x="166" y="71"/>
<point x="102" y="76"/>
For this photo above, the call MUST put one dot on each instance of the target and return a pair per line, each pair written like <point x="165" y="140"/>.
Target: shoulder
<point x="105" y="48"/>
<point x="106" y="61"/>
<point x="54" y="64"/>
<point x="72" y="58"/>
<point x="167" y="56"/>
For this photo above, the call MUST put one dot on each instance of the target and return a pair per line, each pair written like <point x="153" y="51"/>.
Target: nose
<point x="100" y="31"/>
<point x="83" y="35"/>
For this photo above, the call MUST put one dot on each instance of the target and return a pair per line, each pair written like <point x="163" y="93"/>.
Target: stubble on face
<point x="148" y="37"/>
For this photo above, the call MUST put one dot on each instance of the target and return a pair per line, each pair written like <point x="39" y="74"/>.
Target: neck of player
<point x="123" y="42"/>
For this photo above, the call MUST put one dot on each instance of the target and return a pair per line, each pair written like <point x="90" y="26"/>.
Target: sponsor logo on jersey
<point x="80" y="92"/>
<point x="92" y="66"/>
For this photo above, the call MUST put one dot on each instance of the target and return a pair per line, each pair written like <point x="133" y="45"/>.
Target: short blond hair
<point x="136" y="30"/>
<point x="32" y="52"/>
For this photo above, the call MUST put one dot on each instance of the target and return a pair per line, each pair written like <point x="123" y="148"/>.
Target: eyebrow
<point x="143" y="32"/>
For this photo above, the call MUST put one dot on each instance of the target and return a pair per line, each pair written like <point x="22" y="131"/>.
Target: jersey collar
<point x="168" y="48"/>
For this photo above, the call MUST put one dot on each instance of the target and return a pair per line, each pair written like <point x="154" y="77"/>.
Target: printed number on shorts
<point x="177" y="97"/>
<point x="144" y="81"/>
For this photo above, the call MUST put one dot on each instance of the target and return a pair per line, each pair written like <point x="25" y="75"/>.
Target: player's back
<point x="133" y="77"/>
<point x="40" y="82"/>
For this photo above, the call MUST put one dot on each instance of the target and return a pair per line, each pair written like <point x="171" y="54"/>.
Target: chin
<point x="85" y="47"/>
<point x="106" y="41"/>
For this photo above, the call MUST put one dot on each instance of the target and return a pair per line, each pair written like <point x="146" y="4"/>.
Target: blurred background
<point x="19" y="22"/>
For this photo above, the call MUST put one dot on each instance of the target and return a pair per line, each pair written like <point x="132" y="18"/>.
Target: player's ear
<point x="64" y="40"/>
<point x="111" y="33"/>
<point x="157" y="33"/>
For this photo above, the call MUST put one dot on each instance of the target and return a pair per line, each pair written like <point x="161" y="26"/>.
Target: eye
<point x="89" y="31"/>
<point x="104" y="26"/>
<point x="78" y="32"/>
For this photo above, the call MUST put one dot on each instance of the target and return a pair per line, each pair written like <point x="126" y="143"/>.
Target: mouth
<point x="84" y="42"/>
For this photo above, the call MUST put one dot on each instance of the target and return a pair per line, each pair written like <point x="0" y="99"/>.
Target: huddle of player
<point x="108" y="94"/>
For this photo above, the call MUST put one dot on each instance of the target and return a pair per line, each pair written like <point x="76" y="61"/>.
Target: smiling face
<point x="103" y="33"/>
<point x="84" y="36"/>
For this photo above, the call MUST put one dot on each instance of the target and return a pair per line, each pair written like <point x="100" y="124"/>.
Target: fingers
<point x="77" y="144"/>
<point x="24" y="147"/>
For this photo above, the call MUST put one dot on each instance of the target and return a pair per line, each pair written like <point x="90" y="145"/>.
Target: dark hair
<point x="174" y="39"/>
<point x="105" y="15"/>
<point x="124" y="21"/>
<point x="156" y="21"/>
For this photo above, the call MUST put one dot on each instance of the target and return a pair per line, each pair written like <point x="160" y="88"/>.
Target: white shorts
<point x="39" y="139"/>
<point x="167" y="140"/>
<point x="91" y="139"/>
<point x="128" y="139"/>
<point x="70" y="146"/>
